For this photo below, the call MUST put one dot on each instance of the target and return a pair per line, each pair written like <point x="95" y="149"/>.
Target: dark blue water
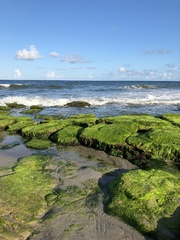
<point x="106" y="97"/>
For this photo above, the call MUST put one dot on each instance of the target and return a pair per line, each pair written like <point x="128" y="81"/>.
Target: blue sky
<point x="90" y="39"/>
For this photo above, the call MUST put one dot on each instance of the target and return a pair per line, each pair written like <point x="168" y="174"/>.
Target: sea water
<point x="106" y="98"/>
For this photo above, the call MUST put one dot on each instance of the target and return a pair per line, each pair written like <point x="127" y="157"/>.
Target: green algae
<point x="78" y="104"/>
<point x="4" y="108"/>
<point x="48" y="117"/>
<point x="138" y="138"/>
<point x="22" y="197"/>
<point x="44" y="130"/>
<point x="15" y="105"/>
<point x="173" y="118"/>
<point x="33" y="109"/>
<point x="163" y="144"/>
<point x="18" y="126"/>
<point x="39" y="144"/>
<point x="143" y="198"/>
<point x="67" y="136"/>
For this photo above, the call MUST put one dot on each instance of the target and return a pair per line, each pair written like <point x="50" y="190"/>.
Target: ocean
<point x="106" y="98"/>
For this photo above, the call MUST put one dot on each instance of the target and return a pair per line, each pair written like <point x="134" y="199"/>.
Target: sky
<point x="90" y="40"/>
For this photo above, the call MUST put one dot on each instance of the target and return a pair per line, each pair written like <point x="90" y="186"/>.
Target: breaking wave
<point x="98" y="101"/>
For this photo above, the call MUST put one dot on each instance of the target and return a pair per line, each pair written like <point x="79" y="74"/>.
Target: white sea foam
<point x="5" y="85"/>
<point x="149" y="99"/>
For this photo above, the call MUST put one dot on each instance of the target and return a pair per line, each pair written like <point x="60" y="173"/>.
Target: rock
<point x="48" y="117"/>
<point x="15" y="105"/>
<point x="23" y="199"/>
<point x="146" y="198"/>
<point x="67" y="136"/>
<point x="39" y="144"/>
<point x="78" y="104"/>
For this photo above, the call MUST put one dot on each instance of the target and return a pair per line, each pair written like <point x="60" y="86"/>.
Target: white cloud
<point x="17" y="73"/>
<point x="122" y="70"/>
<point x="166" y="76"/>
<point x="90" y="76"/>
<point x="51" y="75"/>
<point x="157" y="51"/>
<point x="30" y="54"/>
<point x="76" y="58"/>
<point x="54" y="54"/>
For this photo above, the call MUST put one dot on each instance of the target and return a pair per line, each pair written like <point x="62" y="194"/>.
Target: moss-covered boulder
<point x="22" y="197"/>
<point x="33" y="109"/>
<point x="39" y="144"/>
<point x="15" y="105"/>
<point x="84" y="120"/>
<point x="138" y="138"/>
<point x="4" y="108"/>
<point x="173" y="118"/>
<point x="78" y="104"/>
<point x="67" y="136"/>
<point x="147" y="200"/>
<point x="111" y="138"/>
<point x="6" y="121"/>
<point x="18" y="126"/>
<point x="159" y="143"/>
<point x="44" y="130"/>
<point x="48" y="117"/>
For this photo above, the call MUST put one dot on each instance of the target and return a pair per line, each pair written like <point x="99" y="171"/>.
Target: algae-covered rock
<point x="4" y="108"/>
<point x="18" y="126"/>
<point x="33" y="109"/>
<point x="160" y="143"/>
<point x="22" y="197"/>
<point x="15" y="105"/>
<point x="48" y="117"/>
<point x="67" y="136"/>
<point x="147" y="200"/>
<point x="84" y="120"/>
<point x="110" y="138"/>
<point x="137" y="138"/>
<point x="44" y="130"/>
<point x="173" y="118"/>
<point x="39" y="144"/>
<point x="7" y="121"/>
<point x="78" y="104"/>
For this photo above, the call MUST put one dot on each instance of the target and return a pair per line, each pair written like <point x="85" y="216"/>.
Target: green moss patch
<point x="146" y="198"/>
<point x="48" y="117"/>
<point x="22" y="197"/>
<point x="173" y="118"/>
<point x="44" y="130"/>
<point x="78" y="104"/>
<point x="67" y="136"/>
<point x="4" y="108"/>
<point x="15" y="105"/>
<point x="39" y="144"/>
<point x="17" y="127"/>
<point x="164" y="144"/>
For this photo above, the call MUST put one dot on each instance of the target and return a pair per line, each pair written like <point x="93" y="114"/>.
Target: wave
<point x="2" y="86"/>
<point x="98" y="101"/>
<point x="141" y="86"/>
<point x="13" y="86"/>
